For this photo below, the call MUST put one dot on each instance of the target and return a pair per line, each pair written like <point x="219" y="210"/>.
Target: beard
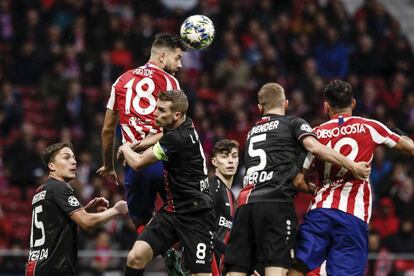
<point x="168" y="68"/>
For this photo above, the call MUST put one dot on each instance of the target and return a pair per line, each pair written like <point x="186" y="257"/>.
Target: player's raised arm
<point x="360" y="170"/>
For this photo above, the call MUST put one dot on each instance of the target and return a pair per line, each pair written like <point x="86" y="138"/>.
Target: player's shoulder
<point x="368" y="121"/>
<point x="124" y="78"/>
<point x="297" y="122"/>
<point x="174" y="137"/>
<point x="160" y="73"/>
<point x="157" y="70"/>
<point x="214" y="183"/>
<point x="55" y="186"/>
<point x="293" y="119"/>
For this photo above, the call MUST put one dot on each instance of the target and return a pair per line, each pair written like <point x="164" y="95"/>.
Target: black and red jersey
<point x="53" y="238"/>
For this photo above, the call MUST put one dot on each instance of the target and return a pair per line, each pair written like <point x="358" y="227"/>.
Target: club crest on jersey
<point x="333" y="183"/>
<point x="73" y="201"/>
<point x="306" y="127"/>
<point x="132" y="121"/>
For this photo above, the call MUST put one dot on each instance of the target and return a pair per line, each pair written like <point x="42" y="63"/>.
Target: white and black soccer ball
<point x="197" y="32"/>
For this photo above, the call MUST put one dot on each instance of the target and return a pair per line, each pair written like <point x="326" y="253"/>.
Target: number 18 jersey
<point x="134" y="95"/>
<point x="337" y="188"/>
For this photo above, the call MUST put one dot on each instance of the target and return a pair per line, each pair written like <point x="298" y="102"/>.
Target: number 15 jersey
<point x="356" y="138"/>
<point x="53" y="237"/>
<point x="134" y="95"/>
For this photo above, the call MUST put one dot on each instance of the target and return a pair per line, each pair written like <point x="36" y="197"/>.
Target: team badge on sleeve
<point x="306" y="127"/>
<point x="73" y="201"/>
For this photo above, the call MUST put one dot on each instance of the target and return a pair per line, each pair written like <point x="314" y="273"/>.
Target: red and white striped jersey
<point x="356" y="138"/>
<point x="134" y="95"/>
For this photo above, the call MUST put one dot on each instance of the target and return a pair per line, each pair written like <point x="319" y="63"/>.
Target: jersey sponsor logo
<point x="343" y="130"/>
<point x="38" y="197"/>
<point x="264" y="127"/>
<point x="306" y="127"/>
<point x="224" y="222"/>
<point x="73" y="201"/>
<point x="204" y="184"/>
<point x="37" y="255"/>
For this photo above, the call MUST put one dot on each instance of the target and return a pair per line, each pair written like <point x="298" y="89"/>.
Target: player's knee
<point x="294" y="272"/>
<point x="136" y="260"/>
<point x="299" y="268"/>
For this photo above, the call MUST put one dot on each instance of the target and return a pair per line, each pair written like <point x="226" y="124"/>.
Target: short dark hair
<point x="49" y="153"/>
<point x="338" y="94"/>
<point x="171" y="41"/>
<point x="224" y="146"/>
<point x="177" y="97"/>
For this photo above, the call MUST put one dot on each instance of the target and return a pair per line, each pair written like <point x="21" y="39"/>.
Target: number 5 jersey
<point x="273" y="158"/>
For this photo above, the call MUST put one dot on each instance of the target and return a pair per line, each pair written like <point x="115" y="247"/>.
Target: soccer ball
<point x="197" y="32"/>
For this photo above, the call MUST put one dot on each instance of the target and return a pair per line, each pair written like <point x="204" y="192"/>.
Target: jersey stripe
<point x="245" y="194"/>
<point x="327" y="202"/>
<point x="343" y="201"/>
<point x="112" y="97"/>
<point x="379" y="139"/>
<point x="30" y="268"/>
<point x="359" y="202"/>
<point x="324" y="196"/>
<point x="168" y="82"/>
<point x="336" y="197"/>
<point x="351" y="199"/>
<point x="126" y="130"/>
<point x="170" y="200"/>
<point x="367" y="200"/>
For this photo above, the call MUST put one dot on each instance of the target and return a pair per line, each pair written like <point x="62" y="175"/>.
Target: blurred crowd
<point x="59" y="59"/>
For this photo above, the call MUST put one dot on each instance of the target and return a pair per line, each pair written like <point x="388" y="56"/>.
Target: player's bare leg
<point x="140" y="255"/>
<point x="236" y="274"/>
<point x="275" y="271"/>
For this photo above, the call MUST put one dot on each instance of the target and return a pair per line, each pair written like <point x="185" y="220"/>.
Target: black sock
<point x="133" y="272"/>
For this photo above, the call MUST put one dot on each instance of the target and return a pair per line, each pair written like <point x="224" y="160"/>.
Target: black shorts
<point x="263" y="235"/>
<point x="194" y="230"/>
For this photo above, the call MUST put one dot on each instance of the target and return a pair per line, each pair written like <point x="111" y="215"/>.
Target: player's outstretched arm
<point x="405" y="144"/>
<point x="88" y="221"/>
<point x="360" y="170"/>
<point x="107" y="137"/>
<point x="135" y="160"/>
